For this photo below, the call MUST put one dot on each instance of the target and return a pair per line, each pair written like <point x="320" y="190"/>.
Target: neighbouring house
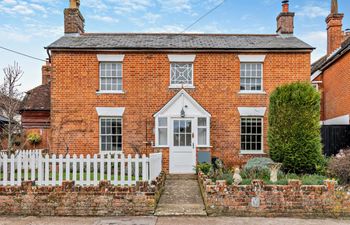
<point x="189" y="96"/>
<point x="35" y="111"/>
<point x="4" y="121"/>
<point x="331" y="73"/>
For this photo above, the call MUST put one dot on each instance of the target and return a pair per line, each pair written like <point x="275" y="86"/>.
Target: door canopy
<point x="182" y="105"/>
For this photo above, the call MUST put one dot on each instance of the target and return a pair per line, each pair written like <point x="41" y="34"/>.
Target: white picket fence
<point x="85" y="171"/>
<point x="33" y="154"/>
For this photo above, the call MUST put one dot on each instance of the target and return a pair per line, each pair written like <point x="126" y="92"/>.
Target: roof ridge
<point x="185" y="34"/>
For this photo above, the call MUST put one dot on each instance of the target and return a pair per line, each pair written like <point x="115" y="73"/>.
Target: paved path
<point x="165" y="221"/>
<point x="181" y="196"/>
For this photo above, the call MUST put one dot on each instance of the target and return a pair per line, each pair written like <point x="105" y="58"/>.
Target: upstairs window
<point x="111" y="77"/>
<point x="181" y="74"/>
<point x="251" y="76"/>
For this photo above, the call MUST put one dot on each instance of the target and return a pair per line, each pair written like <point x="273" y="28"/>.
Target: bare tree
<point x="10" y="100"/>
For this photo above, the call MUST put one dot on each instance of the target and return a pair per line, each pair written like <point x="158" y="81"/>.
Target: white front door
<point x="182" y="159"/>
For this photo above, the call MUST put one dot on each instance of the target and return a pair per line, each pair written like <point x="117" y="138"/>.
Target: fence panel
<point x="334" y="138"/>
<point x="52" y="171"/>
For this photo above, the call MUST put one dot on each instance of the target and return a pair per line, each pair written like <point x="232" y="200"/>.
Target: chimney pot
<point x="74" y="4"/>
<point x="335" y="34"/>
<point x="285" y="5"/>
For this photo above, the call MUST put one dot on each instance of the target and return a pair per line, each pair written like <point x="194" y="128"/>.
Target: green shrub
<point x="226" y="176"/>
<point x="204" y="167"/>
<point x="294" y="128"/>
<point x="340" y="168"/>
<point x="259" y="163"/>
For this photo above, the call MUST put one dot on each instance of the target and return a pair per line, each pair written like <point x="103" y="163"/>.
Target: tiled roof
<point x="179" y="41"/>
<point x="37" y="99"/>
<point x="328" y="60"/>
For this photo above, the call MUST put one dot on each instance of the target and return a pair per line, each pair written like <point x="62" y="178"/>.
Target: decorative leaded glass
<point x="181" y="74"/>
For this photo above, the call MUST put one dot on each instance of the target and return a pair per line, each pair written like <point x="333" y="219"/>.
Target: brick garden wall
<point x="292" y="200"/>
<point x="146" y="79"/>
<point x="70" y="200"/>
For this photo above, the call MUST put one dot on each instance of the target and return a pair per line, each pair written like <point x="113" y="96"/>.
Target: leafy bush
<point x="294" y="128"/>
<point x="34" y="138"/>
<point x="340" y="168"/>
<point x="226" y="176"/>
<point x="204" y="167"/>
<point x="257" y="168"/>
<point x="258" y="163"/>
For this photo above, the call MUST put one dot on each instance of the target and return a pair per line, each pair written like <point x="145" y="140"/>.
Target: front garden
<point x="296" y="179"/>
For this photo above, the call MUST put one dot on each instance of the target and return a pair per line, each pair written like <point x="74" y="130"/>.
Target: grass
<point x="71" y="176"/>
<point x="313" y="179"/>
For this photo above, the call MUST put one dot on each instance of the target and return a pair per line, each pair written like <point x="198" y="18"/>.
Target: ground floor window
<point x="110" y="134"/>
<point x="251" y="134"/>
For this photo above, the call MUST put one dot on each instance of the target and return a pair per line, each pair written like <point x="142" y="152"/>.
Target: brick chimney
<point x="46" y="73"/>
<point x="285" y="20"/>
<point x="335" y="35"/>
<point x="73" y="19"/>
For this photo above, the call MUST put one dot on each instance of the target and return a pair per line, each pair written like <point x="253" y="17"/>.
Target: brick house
<point x="189" y="96"/>
<point x="35" y="111"/>
<point x="331" y="73"/>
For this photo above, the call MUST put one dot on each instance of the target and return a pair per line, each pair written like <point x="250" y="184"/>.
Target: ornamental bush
<point x="294" y="128"/>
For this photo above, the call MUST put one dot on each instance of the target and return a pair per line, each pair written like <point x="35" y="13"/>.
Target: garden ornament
<point x="274" y="168"/>
<point x="237" y="179"/>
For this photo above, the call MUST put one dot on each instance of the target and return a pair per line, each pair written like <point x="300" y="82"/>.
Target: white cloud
<point x="130" y="6"/>
<point x="106" y="19"/>
<point x="317" y="39"/>
<point x="9" y="2"/>
<point x="313" y="11"/>
<point x="176" y="5"/>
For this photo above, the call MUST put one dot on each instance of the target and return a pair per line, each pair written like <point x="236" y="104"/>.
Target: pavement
<point x="181" y="197"/>
<point x="165" y="221"/>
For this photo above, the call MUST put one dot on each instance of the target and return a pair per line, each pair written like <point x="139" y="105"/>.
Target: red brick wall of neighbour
<point x="336" y="83"/>
<point x="45" y="134"/>
<point x="75" y="80"/>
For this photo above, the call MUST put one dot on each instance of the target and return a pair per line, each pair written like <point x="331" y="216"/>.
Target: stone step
<point x="180" y="210"/>
<point x="181" y="177"/>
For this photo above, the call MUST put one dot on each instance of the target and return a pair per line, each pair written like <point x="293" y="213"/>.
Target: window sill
<point x="182" y="87"/>
<point x="204" y="146"/>
<point x="109" y="92"/>
<point x="160" y="146"/>
<point x="243" y="152"/>
<point x="110" y="152"/>
<point x="252" y="92"/>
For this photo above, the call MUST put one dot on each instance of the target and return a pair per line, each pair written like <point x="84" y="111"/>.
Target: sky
<point x="30" y="25"/>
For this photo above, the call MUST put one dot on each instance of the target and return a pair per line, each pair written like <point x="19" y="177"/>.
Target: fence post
<point x="81" y="170"/>
<point x="144" y="168"/>
<point x="116" y="164"/>
<point x="53" y="166"/>
<point x="122" y="169"/>
<point x="88" y="169"/>
<point x="60" y="169"/>
<point x="74" y="161"/>
<point x="137" y="168"/>
<point x="40" y="170"/>
<point x="95" y="169"/>
<point x="67" y="160"/>
<point x="47" y="170"/>
<point x="5" y="172"/>
<point x="129" y="170"/>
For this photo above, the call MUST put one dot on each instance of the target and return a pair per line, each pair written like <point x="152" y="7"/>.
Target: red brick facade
<point x="336" y="92"/>
<point x="75" y="80"/>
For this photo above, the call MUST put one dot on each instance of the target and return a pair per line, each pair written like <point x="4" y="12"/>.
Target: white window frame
<point x="207" y="134"/>
<point x="100" y="135"/>
<point x="251" y="152"/>
<point x="262" y="79"/>
<point x="100" y="83"/>
<point x="181" y="85"/>
<point x="157" y="131"/>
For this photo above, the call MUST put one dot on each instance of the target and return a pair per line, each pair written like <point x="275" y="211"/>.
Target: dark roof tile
<point x="178" y="41"/>
<point x="37" y="99"/>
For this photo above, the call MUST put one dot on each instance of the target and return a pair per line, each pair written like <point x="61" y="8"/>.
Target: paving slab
<point x="179" y="220"/>
<point x="181" y="196"/>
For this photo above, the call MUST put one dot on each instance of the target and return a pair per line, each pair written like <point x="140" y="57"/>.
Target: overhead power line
<point x="206" y="14"/>
<point x="22" y="54"/>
